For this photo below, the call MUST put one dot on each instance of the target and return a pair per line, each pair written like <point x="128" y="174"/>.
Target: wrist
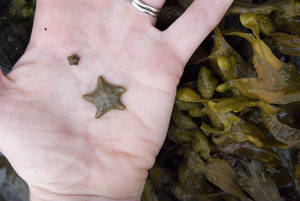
<point x="79" y="198"/>
<point x="46" y="196"/>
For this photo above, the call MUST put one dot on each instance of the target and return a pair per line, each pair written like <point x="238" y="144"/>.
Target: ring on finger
<point x="142" y="6"/>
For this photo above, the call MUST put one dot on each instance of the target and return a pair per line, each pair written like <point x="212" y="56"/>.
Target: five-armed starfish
<point x="105" y="97"/>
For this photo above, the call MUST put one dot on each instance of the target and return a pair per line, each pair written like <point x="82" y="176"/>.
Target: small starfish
<point x="73" y="59"/>
<point x="105" y="97"/>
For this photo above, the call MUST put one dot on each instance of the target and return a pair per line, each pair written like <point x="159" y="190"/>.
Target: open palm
<point x="49" y="132"/>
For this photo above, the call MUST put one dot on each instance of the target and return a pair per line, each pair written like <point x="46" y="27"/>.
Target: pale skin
<point x="49" y="133"/>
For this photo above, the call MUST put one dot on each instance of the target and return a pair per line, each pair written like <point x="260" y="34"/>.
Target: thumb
<point x="5" y="82"/>
<point x="9" y="94"/>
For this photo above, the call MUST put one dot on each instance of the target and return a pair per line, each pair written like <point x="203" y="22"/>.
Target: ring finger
<point x="139" y="7"/>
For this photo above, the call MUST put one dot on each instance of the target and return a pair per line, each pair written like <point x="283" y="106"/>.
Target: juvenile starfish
<point x="73" y="59"/>
<point x="105" y="97"/>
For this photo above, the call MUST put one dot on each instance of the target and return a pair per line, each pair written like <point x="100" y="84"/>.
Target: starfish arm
<point x="88" y="97"/>
<point x="100" y="82"/>
<point x="120" y="106"/>
<point x="99" y="113"/>
<point x="119" y="90"/>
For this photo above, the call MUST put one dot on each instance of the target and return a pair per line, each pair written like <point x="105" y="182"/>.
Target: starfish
<point x="73" y="59"/>
<point x="105" y="97"/>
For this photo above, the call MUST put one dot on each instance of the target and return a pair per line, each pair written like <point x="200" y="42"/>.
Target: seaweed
<point x="235" y="127"/>
<point x="257" y="183"/>
<point x="16" y="19"/>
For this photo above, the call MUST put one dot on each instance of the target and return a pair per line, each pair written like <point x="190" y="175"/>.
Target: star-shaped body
<point x="73" y="59"/>
<point x="105" y="97"/>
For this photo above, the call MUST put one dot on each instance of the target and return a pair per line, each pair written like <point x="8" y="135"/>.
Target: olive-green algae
<point x="238" y="144"/>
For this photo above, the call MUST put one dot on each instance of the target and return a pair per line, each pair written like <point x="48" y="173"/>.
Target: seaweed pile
<point x="12" y="187"/>
<point x="16" y="17"/>
<point x="235" y="128"/>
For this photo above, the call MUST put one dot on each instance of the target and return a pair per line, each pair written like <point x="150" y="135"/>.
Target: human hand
<point x="49" y="133"/>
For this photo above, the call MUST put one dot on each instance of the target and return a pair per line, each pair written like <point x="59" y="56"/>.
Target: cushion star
<point x="105" y="97"/>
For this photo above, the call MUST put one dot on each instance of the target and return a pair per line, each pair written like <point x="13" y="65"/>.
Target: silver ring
<point x="142" y="6"/>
